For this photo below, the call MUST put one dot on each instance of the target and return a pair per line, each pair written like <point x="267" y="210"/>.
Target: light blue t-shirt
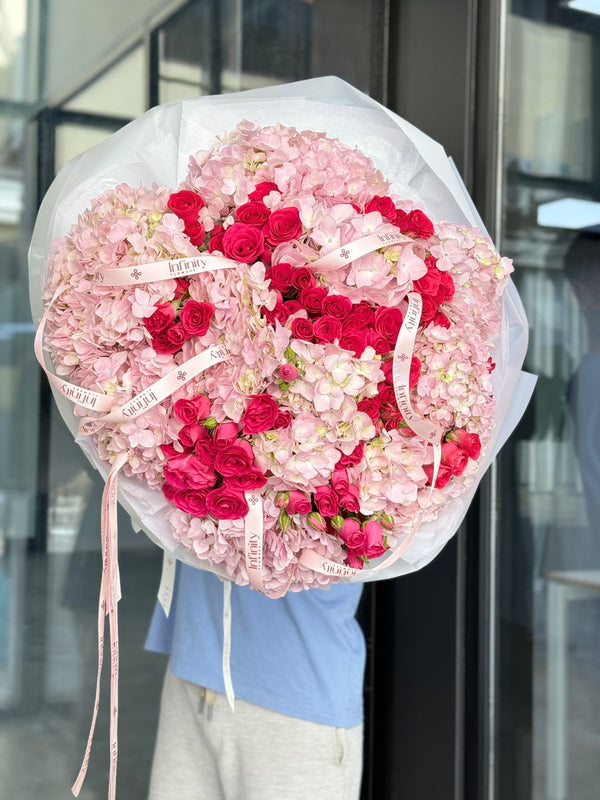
<point x="302" y="655"/>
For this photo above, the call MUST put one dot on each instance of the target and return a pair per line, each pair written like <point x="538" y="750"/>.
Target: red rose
<point x="293" y="306"/>
<point x="182" y="287"/>
<point x="171" y="339"/>
<point x="189" y="472"/>
<point x="354" y="458"/>
<point x="232" y="460"/>
<point x="377" y="342"/>
<point x="253" y="213"/>
<point x="400" y="217"/>
<point x="469" y="442"/>
<point x="190" y="434"/>
<point x="370" y="406"/>
<point x="169" y="450"/>
<point x="364" y="310"/>
<point x="418" y="223"/>
<point x="225" y="434"/>
<point x="387" y="367"/>
<point x="387" y="396"/>
<point x="283" y="225"/>
<point x="439" y="318"/>
<point x="251" y="478"/>
<point x="245" y="445"/>
<point x="263" y="189"/>
<point x="388" y="322"/>
<point x="385" y="206"/>
<point x="303" y="329"/>
<point x="327" y="501"/>
<point x="392" y="418"/>
<point x="186" y="411"/>
<point x="186" y="204"/>
<point x="280" y="276"/>
<point x="243" y="243"/>
<point x="298" y="503"/>
<point x="284" y="419"/>
<point x="352" y="534"/>
<point x="195" y="232"/>
<point x="267" y="254"/>
<point x="374" y="539"/>
<point x="429" y="284"/>
<point x="339" y="480"/>
<point x="312" y="300"/>
<point x="350" y="500"/>
<point x="327" y="329"/>
<point x="280" y="312"/>
<point x="206" y="451"/>
<point x="446" y="289"/>
<point x="356" y="342"/>
<point x="196" y="317"/>
<point x="443" y="476"/>
<point x="226" y="503"/>
<point x="336" y="305"/>
<point x="415" y="372"/>
<point x="303" y="278"/>
<point x="260" y="414"/>
<point x="429" y="308"/>
<point x="454" y="457"/>
<point x="169" y="491"/>
<point x="354" y="322"/>
<point x="216" y="239"/>
<point x="192" y="501"/>
<point x="203" y="405"/>
<point x="160" y="319"/>
<point x="353" y="560"/>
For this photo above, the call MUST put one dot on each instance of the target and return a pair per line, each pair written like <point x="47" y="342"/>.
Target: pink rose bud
<point x="284" y="521"/>
<point x="386" y="522"/>
<point x="288" y="372"/>
<point x="337" y="522"/>
<point x="202" y="405"/>
<point x="316" y="522"/>
<point x="281" y="499"/>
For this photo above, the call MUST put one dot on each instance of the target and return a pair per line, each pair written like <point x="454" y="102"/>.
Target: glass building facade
<point x="483" y="680"/>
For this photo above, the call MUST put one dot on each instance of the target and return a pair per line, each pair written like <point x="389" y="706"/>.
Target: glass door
<point x="547" y="704"/>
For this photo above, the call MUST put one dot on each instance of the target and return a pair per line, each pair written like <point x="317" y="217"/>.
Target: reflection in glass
<point x="214" y="47"/>
<point x="549" y="475"/>
<point x="119" y="91"/>
<point x="73" y="139"/>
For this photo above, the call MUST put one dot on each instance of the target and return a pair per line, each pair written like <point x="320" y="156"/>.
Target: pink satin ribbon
<point x="163" y="270"/>
<point x="344" y="255"/>
<point x="161" y="389"/>
<point x="110" y="594"/>
<point x="94" y="401"/>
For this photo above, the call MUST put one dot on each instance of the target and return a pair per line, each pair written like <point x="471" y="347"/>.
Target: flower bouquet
<point x="287" y="343"/>
<point x="277" y="318"/>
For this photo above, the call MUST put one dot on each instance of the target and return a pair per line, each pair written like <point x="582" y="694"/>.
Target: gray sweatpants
<point x="206" y="752"/>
